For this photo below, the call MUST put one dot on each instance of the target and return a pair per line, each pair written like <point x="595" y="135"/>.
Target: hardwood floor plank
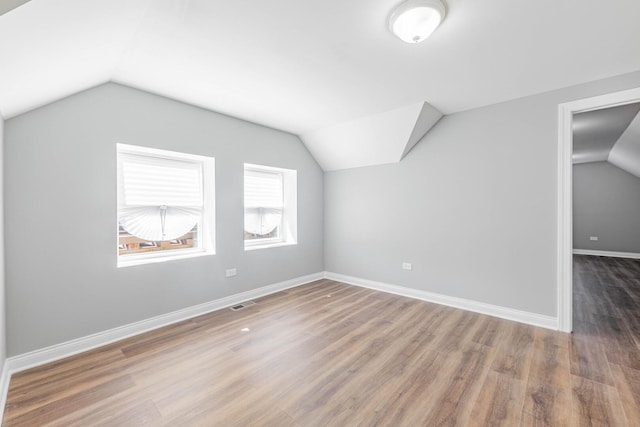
<point x="546" y="405"/>
<point x="390" y="385"/>
<point x="343" y="361"/>
<point x="68" y="404"/>
<point x="500" y="401"/>
<point x="489" y="331"/>
<point x="628" y="387"/>
<point x="414" y="398"/>
<point x="550" y="361"/>
<point x="98" y="368"/>
<point x="595" y="404"/>
<point x="631" y="320"/>
<point x="588" y="360"/>
<point x="131" y="413"/>
<point x="515" y="352"/>
<point x="451" y="406"/>
<point x="67" y="368"/>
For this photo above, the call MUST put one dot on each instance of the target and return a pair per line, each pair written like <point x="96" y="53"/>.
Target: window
<point x="165" y="205"/>
<point x="270" y="206"/>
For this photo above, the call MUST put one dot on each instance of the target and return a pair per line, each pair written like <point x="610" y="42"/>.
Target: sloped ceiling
<point x="8" y="5"/>
<point x="626" y="152"/>
<point x="609" y="134"/>
<point x="303" y="66"/>
<point x="377" y="139"/>
<point x="596" y="132"/>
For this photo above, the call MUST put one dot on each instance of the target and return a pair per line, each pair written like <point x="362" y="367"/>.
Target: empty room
<point x="295" y="213"/>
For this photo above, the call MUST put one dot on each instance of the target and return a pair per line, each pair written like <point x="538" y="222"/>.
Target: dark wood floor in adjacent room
<point x="333" y="354"/>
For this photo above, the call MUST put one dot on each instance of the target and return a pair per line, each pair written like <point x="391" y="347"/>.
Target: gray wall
<point x="606" y="204"/>
<point x="3" y="327"/>
<point x="60" y="193"/>
<point x="473" y="206"/>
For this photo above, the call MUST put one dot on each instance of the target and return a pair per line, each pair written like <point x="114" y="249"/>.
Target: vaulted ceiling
<point x="596" y="132"/>
<point x="312" y="68"/>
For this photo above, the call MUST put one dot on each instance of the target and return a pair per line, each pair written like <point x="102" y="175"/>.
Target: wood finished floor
<point x="338" y="355"/>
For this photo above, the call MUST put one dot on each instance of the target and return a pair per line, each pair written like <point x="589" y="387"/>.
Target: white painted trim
<point x="4" y="387"/>
<point x="564" y="273"/>
<point x="465" y="304"/>
<point x="606" y="253"/>
<point x="79" y="345"/>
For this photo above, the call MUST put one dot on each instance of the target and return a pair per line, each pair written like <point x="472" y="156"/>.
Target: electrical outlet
<point x="407" y="266"/>
<point x="231" y="272"/>
<point x="593" y="237"/>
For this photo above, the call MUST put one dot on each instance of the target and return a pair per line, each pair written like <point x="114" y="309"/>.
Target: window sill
<point x="160" y="258"/>
<point x="268" y="245"/>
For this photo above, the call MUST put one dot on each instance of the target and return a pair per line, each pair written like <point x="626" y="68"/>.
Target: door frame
<point x="565" y="193"/>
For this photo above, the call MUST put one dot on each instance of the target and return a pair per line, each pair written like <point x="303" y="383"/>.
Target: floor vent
<point x="242" y="305"/>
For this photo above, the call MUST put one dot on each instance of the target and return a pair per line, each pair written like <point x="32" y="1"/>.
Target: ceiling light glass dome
<point x="415" y="20"/>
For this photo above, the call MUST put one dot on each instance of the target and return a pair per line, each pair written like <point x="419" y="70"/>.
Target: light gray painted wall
<point x="3" y="323"/>
<point x="60" y="193"/>
<point x="606" y="204"/>
<point x="472" y="206"/>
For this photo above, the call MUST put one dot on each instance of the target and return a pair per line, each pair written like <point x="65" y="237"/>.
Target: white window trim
<point x="206" y="227"/>
<point x="161" y="256"/>
<point x="289" y="232"/>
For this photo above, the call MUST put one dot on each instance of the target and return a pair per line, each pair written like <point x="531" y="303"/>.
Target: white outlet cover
<point x="593" y="238"/>
<point x="231" y="272"/>
<point x="407" y="266"/>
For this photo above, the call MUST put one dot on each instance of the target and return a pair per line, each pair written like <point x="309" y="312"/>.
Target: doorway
<point x="566" y="114"/>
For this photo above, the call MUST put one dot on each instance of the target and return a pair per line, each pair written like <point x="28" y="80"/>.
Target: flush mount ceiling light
<point x="415" y="20"/>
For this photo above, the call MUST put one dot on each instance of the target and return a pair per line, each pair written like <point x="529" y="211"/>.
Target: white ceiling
<point x="302" y="66"/>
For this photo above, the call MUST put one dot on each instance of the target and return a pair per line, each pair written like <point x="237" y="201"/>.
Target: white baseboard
<point x="4" y="387"/>
<point x="606" y="253"/>
<point x="465" y="304"/>
<point x="55" y="352"/>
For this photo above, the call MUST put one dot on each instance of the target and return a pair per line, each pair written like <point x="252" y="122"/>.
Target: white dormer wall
<point x="373" y="140"/>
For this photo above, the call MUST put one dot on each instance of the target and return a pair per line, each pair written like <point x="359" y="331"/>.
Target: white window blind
<point x="157" y="181"/>
<point x="263" y="201"/>
<point x="159" y="198"/>
<point x="262" y="189"/>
